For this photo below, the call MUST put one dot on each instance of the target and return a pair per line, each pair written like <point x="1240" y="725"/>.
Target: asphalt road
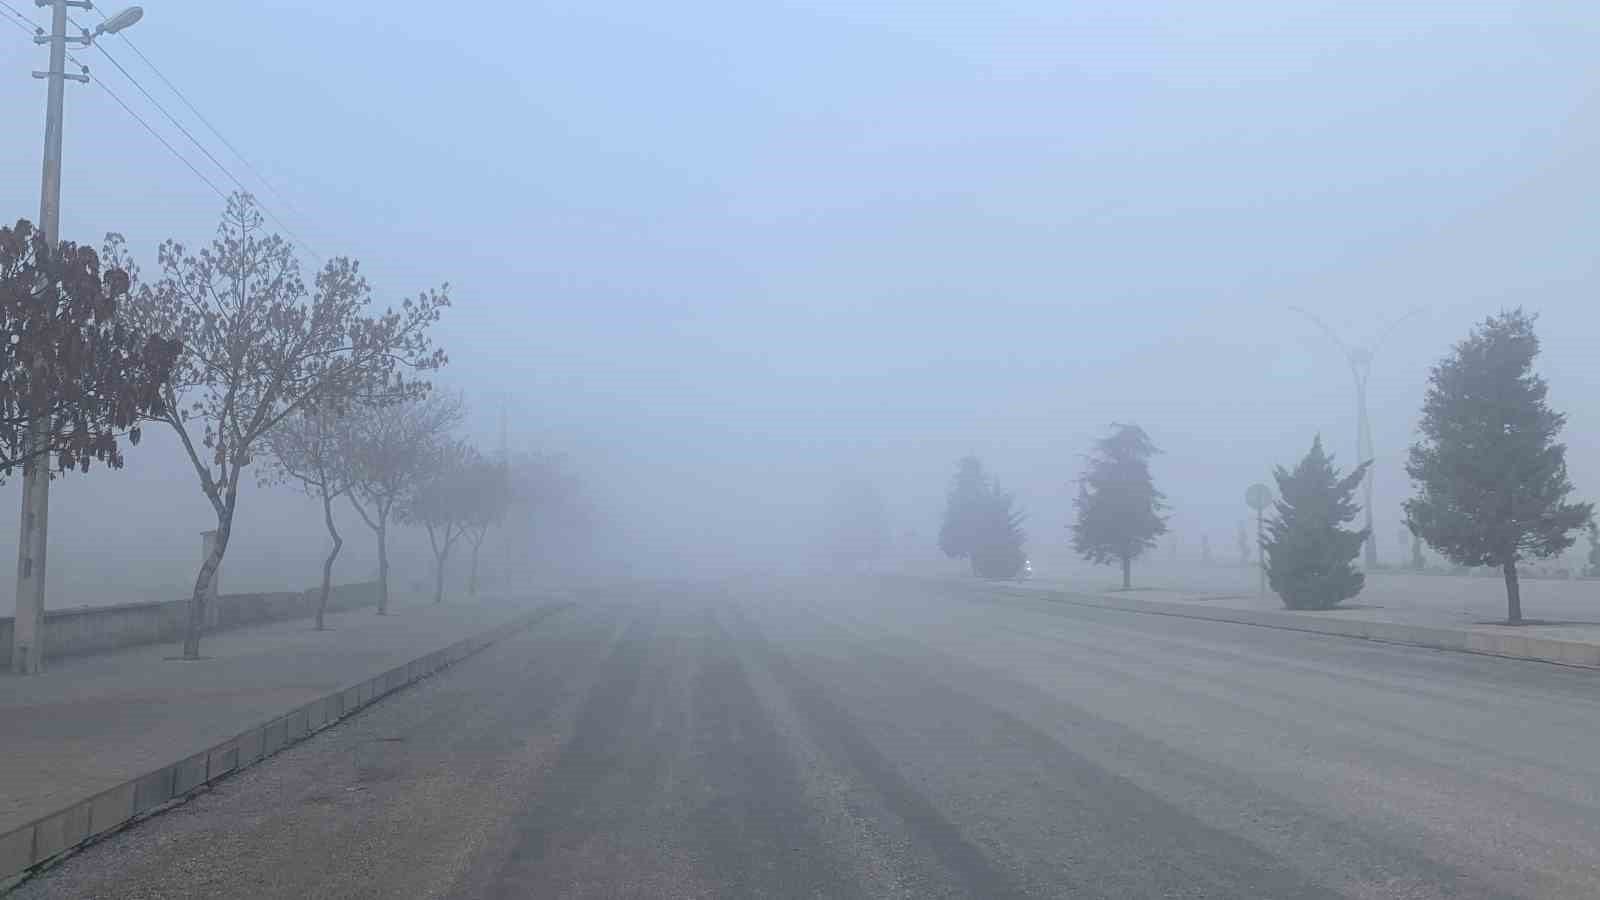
<point x="893" y="739"/>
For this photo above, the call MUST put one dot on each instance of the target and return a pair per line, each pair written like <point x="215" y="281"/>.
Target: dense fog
<point x="726" y="257"/>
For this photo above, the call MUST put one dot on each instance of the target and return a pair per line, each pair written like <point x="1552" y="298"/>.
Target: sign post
<point x="1259" y="496"/>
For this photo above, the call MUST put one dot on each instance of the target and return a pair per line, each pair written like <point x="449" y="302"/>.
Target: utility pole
<point x="27" y="650"/>
<point x="1359" y="357"/>
<point x="505" y="466"/>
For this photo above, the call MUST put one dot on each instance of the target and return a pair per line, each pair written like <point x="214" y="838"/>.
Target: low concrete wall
<point x="94" y="629"/>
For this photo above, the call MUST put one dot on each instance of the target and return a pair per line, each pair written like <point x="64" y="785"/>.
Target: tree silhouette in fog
<point x="963" y="511"/>
<point x="1119" y="509"/>
<point x="998" y="550"/>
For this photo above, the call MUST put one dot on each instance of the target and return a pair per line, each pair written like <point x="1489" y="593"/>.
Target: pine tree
<point x="1119" y="508"/>
<point x="963" y="510"/>
<point x="1310" y="557"/>
<point x="1491" y="476"/>
<point x="999" y="549"/>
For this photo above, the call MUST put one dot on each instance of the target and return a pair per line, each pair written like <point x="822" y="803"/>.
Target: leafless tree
<point x="304" y="448"/>
<point x="389" y="451"/>
<point x="258" y="346"/>
<point x="443" y="503"/>
<point x="486" y="498"/>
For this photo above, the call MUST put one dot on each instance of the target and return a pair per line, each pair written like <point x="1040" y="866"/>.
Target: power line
<point x="182" y="98"/>
<point x="157" y="135"/>
<point x="21" y="19"/>
<point x="195" y="111"/>
<point x="28" y="25"/>
<point x="113" y="95"/>
<point x="202" y="147"/>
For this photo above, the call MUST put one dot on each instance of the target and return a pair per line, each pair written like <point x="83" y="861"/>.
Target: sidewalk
<point x="91" y="723"/>
<point x="1445" y="612"/>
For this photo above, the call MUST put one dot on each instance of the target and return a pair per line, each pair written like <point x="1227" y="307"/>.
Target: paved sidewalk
<point x="90" y="723"/>
<point x="1447" y="612"/>
<point x="1423" y="599"/>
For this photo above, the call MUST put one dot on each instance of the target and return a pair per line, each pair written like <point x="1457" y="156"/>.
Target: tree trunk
<point x="438" y="579"/>
<point x="327" y="565"/>
<point x="1513" y="593"/>
<point x="202" y="588"/>
<point x="472" y="580"/>
<point x="1127" y="572"/>
<point x="383" y="567"/>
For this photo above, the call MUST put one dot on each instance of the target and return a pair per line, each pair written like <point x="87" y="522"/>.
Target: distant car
<point x="1026" y="572"/>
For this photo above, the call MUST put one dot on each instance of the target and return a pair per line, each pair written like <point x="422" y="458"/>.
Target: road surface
<point x="905" y="739"/>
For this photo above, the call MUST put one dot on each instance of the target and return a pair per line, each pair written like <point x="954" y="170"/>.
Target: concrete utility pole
<point x="27" y="649"/>
<point x="1258" y="497"/>
<point x="1359" y="357"/>
<point x="505" y="466"/>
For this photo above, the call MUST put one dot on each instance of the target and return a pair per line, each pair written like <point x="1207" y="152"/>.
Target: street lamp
<point x="120" y="21"/>
<point x="1359" y="356"/>
<point x="27" y="643"/>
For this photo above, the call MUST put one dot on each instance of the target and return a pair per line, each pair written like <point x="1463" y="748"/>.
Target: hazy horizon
<point x="725" y="257"/>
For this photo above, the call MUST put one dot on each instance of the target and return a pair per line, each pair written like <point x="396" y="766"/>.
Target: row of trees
<point x="1490" y="472"/>
<point x="259" y="346"/>
<point x="394" y="463"/>
<point x="247" y="363"/>
<point x="1119" y="511"/>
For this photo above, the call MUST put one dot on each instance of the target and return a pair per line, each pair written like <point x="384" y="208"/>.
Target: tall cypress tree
<point x="1491" y="477"/>
<point x="998" y="552"/>
<point x="1310" y="557"/>
<point x="1119" y="508"/>
<point x="963" y="510"/>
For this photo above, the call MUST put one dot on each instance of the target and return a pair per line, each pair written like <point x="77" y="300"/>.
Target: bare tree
<point x="543" y="500"/>
<point x="305" y="448"/>
<point x="259" y="347"/>
<point x="389" y="451"/>
<point x="488" y="497"/>
<point x="443" y="503"/>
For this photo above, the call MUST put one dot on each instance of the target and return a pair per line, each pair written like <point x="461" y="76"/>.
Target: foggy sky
<point x="729" y="253"/>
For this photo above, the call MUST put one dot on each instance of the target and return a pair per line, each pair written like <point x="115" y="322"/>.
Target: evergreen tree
<point x="1119" y="508"/>
<point x="1491" y="476"/>
<point x="1310" y="557"/>
<point x="1594" y="551"/>
<point x="998" y="552"/>
<point x="963" y="510"/>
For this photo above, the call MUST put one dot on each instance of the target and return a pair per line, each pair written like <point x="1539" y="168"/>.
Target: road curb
<point x="33" y="847"/>
<point x="1510" y="646"/>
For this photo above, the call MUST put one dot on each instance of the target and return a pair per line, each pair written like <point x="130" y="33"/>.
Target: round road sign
<point x="1258" y="496"/>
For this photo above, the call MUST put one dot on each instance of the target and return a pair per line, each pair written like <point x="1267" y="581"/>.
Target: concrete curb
<point x="1511" y="646"/>
<point x="26" y="850"/>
